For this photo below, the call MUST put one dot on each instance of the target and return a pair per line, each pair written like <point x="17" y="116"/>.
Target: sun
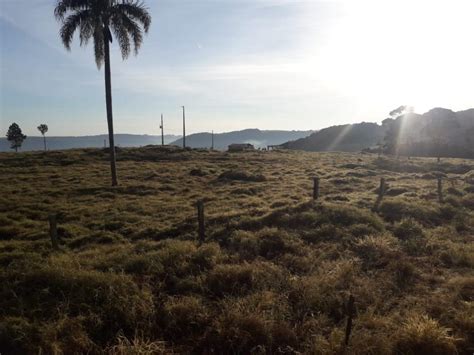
<point x="399" y="52"/>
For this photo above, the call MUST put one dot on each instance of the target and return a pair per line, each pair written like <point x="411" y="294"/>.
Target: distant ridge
<point x="346" y="138"/>
<point x="56" y="143"/>
<point x="259" y="138"/>
<point x="438" y="132"/>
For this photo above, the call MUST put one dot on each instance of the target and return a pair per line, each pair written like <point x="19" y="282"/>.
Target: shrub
<point x="241" y="176"/>
<point x="310" y="215"/>
<point x="105" y="302"/>
<point x="377" y="251"/>
<point x="361" y="230"/>
<point x="468" y="201"/>
<point x="410" y="232"/>
<point x="230" y="280"/>
<point x="398" y="209"/>
<point x="322" y="292"/>
<point x="424" y="336"/>
<point x="183" y="317"/>
<point x="404" y="272"/>
<point x="237" y="333"/>
<point x="458" y="255"/>
<point x="464" y="288"/>
<point x="408" y="229"/>
<point x="18" y="336"/>
<point x="197" y="172"/>
<point x="137" y="346"/>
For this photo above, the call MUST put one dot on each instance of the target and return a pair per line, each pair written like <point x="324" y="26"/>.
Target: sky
<point x="235" y="64"/>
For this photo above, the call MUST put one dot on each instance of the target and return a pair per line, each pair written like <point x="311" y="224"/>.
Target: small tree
<point x="43" y="128"/>
<point x="15" y="136"/>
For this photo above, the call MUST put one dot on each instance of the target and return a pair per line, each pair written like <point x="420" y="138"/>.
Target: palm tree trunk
<point x="108" y="100"/>
<point x="44" y="141"/>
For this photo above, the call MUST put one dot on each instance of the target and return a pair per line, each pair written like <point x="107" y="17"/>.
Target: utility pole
<point x="212" y="140"/>
<point x="162" y="134"/>
<point x="184" y="128"/>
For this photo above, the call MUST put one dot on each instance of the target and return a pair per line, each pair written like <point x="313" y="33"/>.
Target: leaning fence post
<point x="440" y="189"/>
<point x="201" y="228"/>
<point x="53" y="231"/>
<point x="351" y="311"/>
<point x="315" y="188"/>
<point x="382" y="188"/>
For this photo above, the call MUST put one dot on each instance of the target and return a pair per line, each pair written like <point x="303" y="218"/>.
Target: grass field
<point x="274" y="273"/>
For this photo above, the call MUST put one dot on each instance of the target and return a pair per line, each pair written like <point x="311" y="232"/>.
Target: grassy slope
<point x="274" y="272"/>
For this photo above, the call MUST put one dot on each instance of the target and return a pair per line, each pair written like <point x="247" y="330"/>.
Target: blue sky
<point x="269" y="64"/>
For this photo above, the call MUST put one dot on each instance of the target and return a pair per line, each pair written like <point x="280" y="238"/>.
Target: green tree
<point x="97" y="20"/>
<point x="15" y="136"/>
<point x="43" y="128"/>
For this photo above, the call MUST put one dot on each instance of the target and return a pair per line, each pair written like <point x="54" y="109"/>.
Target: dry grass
<point x="273" y="274"/>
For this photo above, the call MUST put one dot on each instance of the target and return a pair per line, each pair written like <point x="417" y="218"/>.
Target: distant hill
<point x="54" y="143"/>
<point x="439" y="131"/>
<point x="347" y="138"/>
<point x="259" y="138"/>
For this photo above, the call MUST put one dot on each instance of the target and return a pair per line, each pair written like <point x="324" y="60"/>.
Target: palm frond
<point x="71" y="24"/>
<point x="65" y="6"/>
<point x="121" y="33"/>
<point x="128" y="29"/>
<point x="86" y="28"/>
<point x="99" y="45"/>
<point x="135" y="10"/>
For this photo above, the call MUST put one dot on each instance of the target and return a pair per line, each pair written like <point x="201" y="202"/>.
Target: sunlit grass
<point x="273" y="273"/>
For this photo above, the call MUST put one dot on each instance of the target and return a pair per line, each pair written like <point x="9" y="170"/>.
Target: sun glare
<point x="395" y="52"/>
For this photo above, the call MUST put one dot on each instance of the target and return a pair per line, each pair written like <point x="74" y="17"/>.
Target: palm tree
<point x="43" y="128"/>
<point x="97" y="19"/>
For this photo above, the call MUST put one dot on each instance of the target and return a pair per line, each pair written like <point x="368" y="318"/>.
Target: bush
<point x="105" y="303"/>
<point x="408" y="229"/>
<point x="241" y="176"/>
<point x="411" y="234"/>
<point x="422" y="335"/>
<point x="237" y="333"/>
<point x="230" y="280"/>
<point x="398" y="209"/>
<point x="322" y="292"/>
<point x="183" y="318"/>
<point x="377" y="251"/>
<point x="137" y="346"/>
<point x="404" y="272"/>
<point x="458" y="255"/>
<point x="310" y="215"/>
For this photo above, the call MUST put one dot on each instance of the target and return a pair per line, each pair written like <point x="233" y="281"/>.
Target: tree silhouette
<point x="393" y="126"/>
<point x="96" y="20"/>
<point x="15" y="136"/>
<point x="43" y="128"/>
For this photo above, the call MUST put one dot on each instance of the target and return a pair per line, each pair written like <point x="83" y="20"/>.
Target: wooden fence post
<point x="53" y="231"/>
<point x="200" y="212"/>
<point x="351" y="311"/>
<point x="382" y="189"/>
<point x="315" y="188"/>
<point x="440" y="189"/>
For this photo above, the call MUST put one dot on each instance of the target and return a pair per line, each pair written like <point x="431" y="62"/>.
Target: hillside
<point x="274" y="272"/>
<point x="345" y="138"/>
<point x="97" y="141"/>
<point x="437" y="132"/>
<point x="259" y="138"/>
